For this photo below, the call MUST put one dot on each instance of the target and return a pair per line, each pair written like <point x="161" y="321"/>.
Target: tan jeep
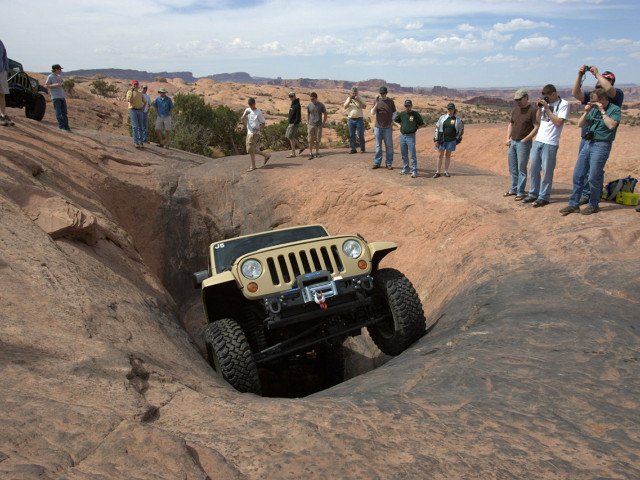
<point x="285" y="292"/>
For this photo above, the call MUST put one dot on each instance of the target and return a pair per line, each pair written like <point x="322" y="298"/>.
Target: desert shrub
<point x="68" y="86"/>
<point x="273" y="136"/>
<point x="104" y="89"/>
<point x="342" y="129"/>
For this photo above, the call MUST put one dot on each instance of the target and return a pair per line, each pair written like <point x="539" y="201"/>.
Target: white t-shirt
<point x="254" y="119"/>
<point x="548" y="132"/>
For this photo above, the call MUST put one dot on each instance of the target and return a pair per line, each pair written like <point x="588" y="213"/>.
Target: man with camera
<point x="616" y="96"/>
<point x="521" y="130"/>
<point x="354" y="106"/>
<point x="601" y="117"/>
<point x="552" y="112"/>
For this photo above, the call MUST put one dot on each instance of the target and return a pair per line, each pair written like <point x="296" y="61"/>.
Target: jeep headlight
<point x="34" y="84"/>
<point x="352" y="249"/>
<point x="251" y="269"/>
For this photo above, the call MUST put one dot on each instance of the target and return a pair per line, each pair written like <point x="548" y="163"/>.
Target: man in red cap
<point x="616" y="96"/>
<point x="136" y="107"/>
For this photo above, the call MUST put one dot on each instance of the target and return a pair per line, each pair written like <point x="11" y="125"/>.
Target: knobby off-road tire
<point x="230" y="355"/>
<point x="35" y="110"/>
<point x="404" y="322"/>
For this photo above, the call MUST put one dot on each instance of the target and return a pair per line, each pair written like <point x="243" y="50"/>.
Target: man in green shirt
<point x="410" y="122"/>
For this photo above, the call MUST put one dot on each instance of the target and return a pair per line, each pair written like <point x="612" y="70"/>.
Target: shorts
<point x="163" y="123"/>
<point x="449" y="146"/>
<point x="253" y="139"/>
<point x="292" y="130"/>
<point x="4" y="85"/>
<point x="315" y="134"/>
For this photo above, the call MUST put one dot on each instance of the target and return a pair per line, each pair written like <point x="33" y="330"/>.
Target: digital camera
<point x="546" y="99"/>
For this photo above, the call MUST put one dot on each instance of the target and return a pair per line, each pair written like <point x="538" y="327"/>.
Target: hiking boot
<point x="540" y="203"/>
<point x="583" y="200"/>
<point x="353" y="151"/>
<point x="446" y="174"/>
<point x="529" y="199"/>
<point x="375" y="166"/>
<point x="569" y="209"/>
<point x="589" y="210"/>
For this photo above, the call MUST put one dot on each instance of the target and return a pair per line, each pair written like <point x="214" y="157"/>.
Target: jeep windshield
<point x="227" y="251"/>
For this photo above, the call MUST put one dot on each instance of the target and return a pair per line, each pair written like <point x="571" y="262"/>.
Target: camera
<point x="546" y="99"/>
<point x="587" y="68"/>
<point x="588" y="136"/>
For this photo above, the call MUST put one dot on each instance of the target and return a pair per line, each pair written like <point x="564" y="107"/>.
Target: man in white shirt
<point x="552" y="112"/>
<point x="255" y="124"/>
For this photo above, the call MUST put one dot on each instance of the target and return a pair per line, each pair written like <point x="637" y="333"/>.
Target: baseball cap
<point x="135" y="82"/>
<point x="609" y="76"/>
<point x="162" y="90"/>
<point x="383" y="89"/>
<point x="57" y="66"/>
<point x="520" y="93"/>
<point x="252" y="101"/>
<point x="451" y="106"/>
<point x="144" y="85"/>
<point x="313" y="95"/>
<point x="354" y="89"/>
<point x="407" y="103"/>
<point x="292" y="94"/>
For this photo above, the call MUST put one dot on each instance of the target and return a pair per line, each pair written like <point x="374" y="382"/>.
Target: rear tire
<point x="396" y="300"/>
<point x="230" y="355"/>
<point x="35" y="109"/>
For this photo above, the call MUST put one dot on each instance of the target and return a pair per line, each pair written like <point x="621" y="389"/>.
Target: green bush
<point x="342" y="129"/>
<point x="104" y="89"/>
<point x="68" y="86"/>
<point x="273" y="137"/>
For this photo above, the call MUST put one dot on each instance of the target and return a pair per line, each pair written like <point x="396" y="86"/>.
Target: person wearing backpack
<point x="602" y="118"/>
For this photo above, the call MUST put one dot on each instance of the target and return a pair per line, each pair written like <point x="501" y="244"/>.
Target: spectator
<point x="616" y="96"/>
<point x="354" y="105"/>
<point x="163" y="105"/>
<point x="552" y="112"/>
<point x="255" y="124"/>
<point x="295" y="117"/>
<point x="145" y="113"/>
<point x="136" y="106"/>
<point x="449" y="131"/>
<point x="601" y="117"/>
<point x="385" y="111"/>
<point x="521" y="130"/>
<point x="410" y="122"/>
<point x="4" y="86"/>
<point x="54" y="85"/>
<point x="316" y="118"/>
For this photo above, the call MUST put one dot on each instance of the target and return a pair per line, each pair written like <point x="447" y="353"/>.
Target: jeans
<point x="590" y="165"/>
<point x="386" y="135"/>
<point x="518" y="161"/>
<point x="408" y="147"/>
<point x="136" y="117"/>
<point x="145" y="122"/>
<point x="60" y="107"/>
<point x="356" y="124"/>
<point x="543" y="156"/>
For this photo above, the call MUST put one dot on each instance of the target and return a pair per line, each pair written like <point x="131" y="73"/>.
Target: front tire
<point x="35" y="109"/>
<point x="398" y="303"/>
<point x="230" y="355"/>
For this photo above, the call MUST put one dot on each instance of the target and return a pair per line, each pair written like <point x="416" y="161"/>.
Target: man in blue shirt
<point x="163" y="106"/>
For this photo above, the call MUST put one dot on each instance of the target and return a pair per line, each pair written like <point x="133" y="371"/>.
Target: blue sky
<point x="460" y="43"/>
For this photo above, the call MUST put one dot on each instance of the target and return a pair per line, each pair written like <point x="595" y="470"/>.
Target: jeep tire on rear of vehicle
<point x="398" y="302"/>
<point x="230" y="355"/>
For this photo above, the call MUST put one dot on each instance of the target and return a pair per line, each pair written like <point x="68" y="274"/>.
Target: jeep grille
<point x="285" y="268"/>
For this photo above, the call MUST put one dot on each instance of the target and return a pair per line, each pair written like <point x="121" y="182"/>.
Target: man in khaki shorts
<point x="163" y="105"/>
<point x="255" y="124"/>
<point x="316" y="118"/>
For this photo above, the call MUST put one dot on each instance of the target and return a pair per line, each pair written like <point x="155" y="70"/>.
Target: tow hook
<point x="366" y="284"/>
<point x="319" y="299"/>
<point x="274" y="306"/>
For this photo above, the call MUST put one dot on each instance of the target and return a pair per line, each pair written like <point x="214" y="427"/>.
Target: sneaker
<point x="311" y="156"/>
<point x="68" y="130"/>
<point x="638" y="208"/>
<point x="540" y="203"/>
<point x="436" y="175"/>
<point x="414" y="175"/>
<point x="589" y="210"/>
<point x="446" y="174"/>
<point x="389" y="167"/>
<point x="353" y="151"/>
<point x="529" y="199"/>
<point x="569" y="209"/>
<point x="6" y="121"/>
<point x="375" y="166"/>
<point x="404" y="172"/>
<point x="584" y="200"/>
<point x="160" y="145"/>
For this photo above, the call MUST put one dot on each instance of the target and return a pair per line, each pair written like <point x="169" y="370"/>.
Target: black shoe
<point x="540" y="203"/>
<point x="436" y="175"/>
<point x="362" y="151"/>
<point x="353" y="151"/>
<point x="584" y="200"/>
<point x="375" y="166"/>
<point x="529" y="199"/>
<point x="569" y="209"/>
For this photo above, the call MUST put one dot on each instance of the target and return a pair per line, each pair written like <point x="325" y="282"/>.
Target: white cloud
<point x="465" y="27"/>
<point x="535" y="43"/>
<point x="500" y="58"/>
<point x="519" y="24"/>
